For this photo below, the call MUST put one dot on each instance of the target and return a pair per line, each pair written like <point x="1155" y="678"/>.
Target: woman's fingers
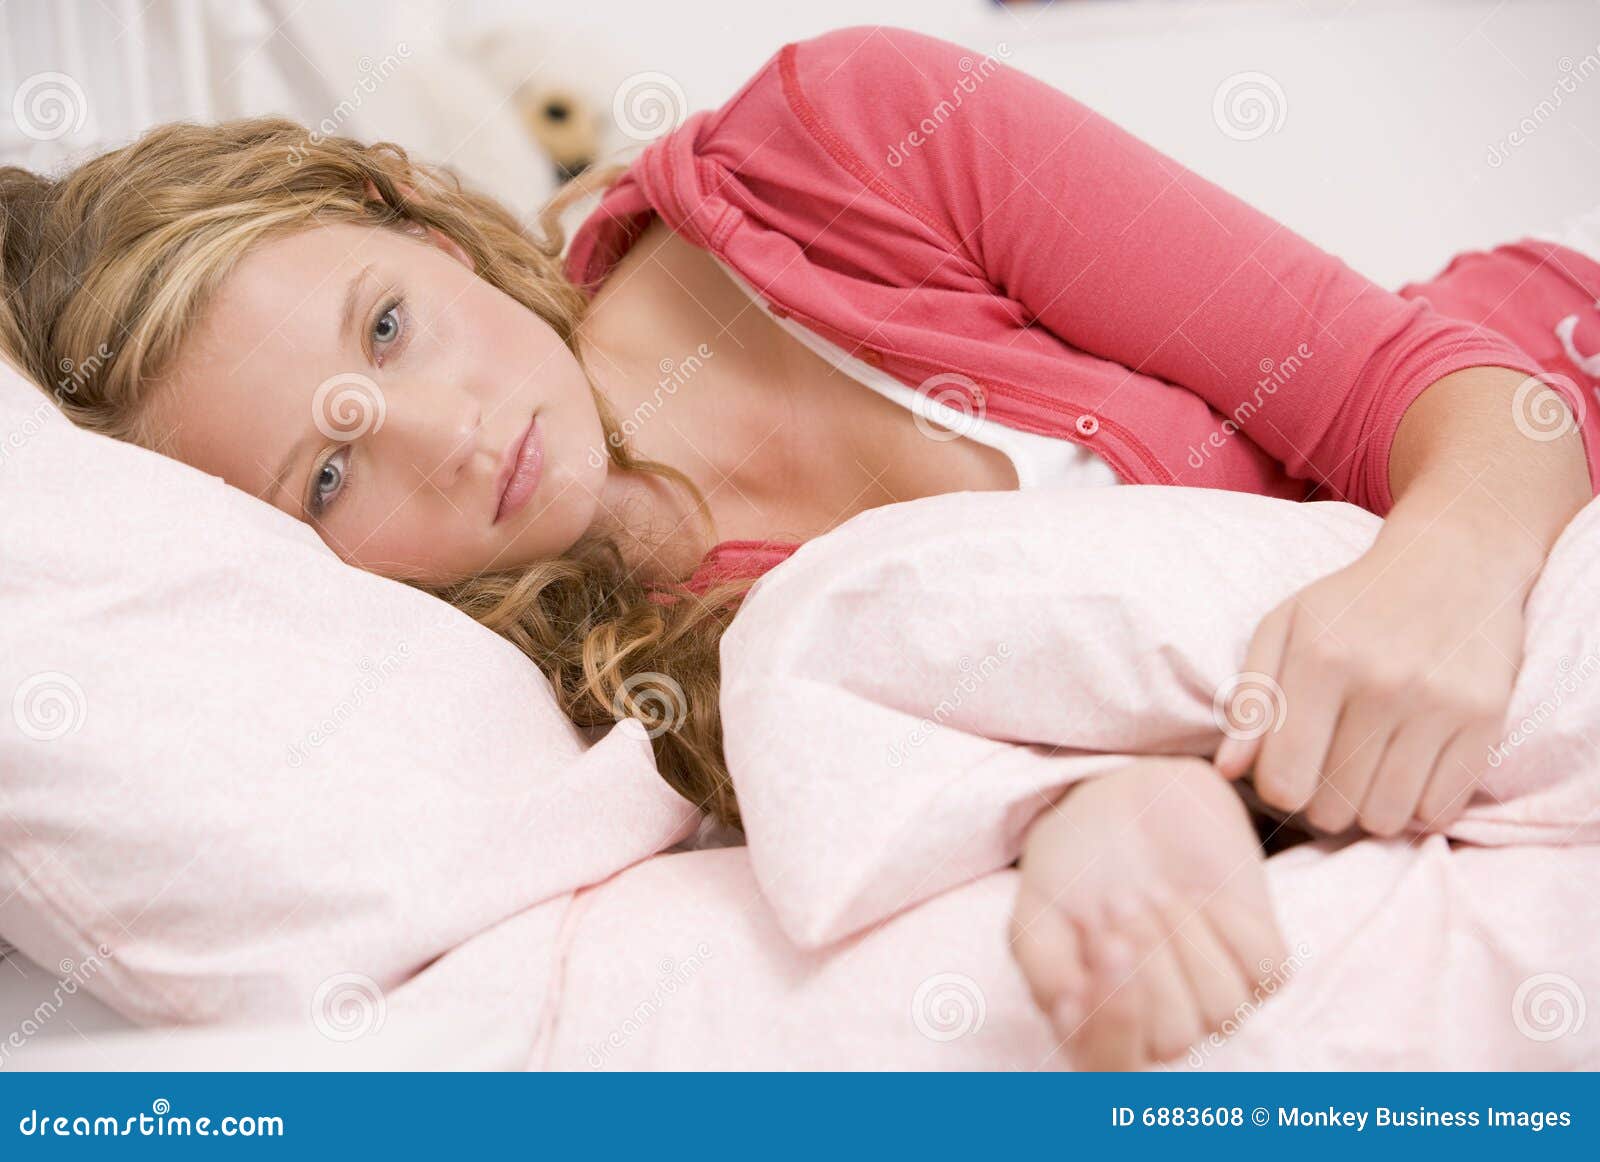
<point x="1292" y="759"/>
<point x="1352" y="762"/>
<point x="1044" y="942"/>
<point x="1241" y="741"/>
<point x="1392" y="799"/>
<point x="1219" y="989"/>
<point x="1248" y="931"/>
<point x="1455" y="777"/>
<point x="1170" y="1013"/>
<point x="1110" y="1036"/>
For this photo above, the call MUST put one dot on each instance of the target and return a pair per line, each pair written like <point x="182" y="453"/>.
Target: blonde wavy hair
<point x="120" y="257"/>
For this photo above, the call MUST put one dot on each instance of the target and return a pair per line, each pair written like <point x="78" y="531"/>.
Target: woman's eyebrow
<point x="352" y="299"/>
<point x="268" y="493"/>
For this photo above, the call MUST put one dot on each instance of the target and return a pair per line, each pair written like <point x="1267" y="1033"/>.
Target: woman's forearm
<point x="1484" y="457"/>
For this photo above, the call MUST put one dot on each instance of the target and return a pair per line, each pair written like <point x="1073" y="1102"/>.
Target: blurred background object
<point x="1391" y="132"/>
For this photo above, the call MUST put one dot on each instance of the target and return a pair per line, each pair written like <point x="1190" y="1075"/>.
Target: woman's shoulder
<point x="867" y="74"/>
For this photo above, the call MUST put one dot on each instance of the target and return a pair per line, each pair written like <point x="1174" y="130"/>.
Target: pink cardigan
<point x="937" y="214"/>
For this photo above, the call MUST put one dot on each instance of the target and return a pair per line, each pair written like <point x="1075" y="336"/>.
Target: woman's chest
<point x="825" y="446"/>
<point x="786" y="442"/>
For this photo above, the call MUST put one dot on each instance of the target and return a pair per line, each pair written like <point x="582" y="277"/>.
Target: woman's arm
<point x="1127" y="255"/>
<point x="1497" y="456"/>
<point x="1397" y="669"/>
<point x="1396" y="672"/>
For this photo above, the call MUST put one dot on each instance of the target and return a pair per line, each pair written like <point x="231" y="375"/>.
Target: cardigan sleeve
<point x="1127" y="255"/>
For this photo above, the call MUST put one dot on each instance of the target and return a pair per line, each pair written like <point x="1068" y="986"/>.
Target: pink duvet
<point x="898" y="695"/>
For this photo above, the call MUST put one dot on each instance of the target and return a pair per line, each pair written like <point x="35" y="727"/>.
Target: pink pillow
<point x="234" y="768"/>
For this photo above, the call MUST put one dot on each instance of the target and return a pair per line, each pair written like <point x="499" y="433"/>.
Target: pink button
<point x="1088" y="425"/>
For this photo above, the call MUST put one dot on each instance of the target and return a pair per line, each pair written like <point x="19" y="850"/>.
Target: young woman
<point x="882" y="270"/>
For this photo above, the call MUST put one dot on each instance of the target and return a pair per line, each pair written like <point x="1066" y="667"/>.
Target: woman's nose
<point x="434" y="441"/>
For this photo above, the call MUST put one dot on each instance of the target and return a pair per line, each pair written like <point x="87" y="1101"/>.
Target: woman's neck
<point x="693" y="377"/>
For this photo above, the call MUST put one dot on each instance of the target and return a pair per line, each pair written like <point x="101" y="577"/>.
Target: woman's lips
<point x="524" y="465"/>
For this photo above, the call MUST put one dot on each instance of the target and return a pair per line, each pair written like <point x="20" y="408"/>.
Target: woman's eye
<point x="330" y="480"/>
<point x="387" y="327"/>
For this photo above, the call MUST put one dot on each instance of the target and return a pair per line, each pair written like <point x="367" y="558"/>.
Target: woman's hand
<point x="1393" y="679"/>
<point x="1393" y="675"/>
<point x="1143" y="922"/>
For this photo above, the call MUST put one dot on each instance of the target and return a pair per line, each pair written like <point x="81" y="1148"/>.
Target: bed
<point x="1393" y="151"/>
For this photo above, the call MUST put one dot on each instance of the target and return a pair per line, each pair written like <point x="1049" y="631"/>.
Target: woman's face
<point x="371" y="384"/>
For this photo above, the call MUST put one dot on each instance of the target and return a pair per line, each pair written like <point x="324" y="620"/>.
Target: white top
<point x="1040" y="461"/>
